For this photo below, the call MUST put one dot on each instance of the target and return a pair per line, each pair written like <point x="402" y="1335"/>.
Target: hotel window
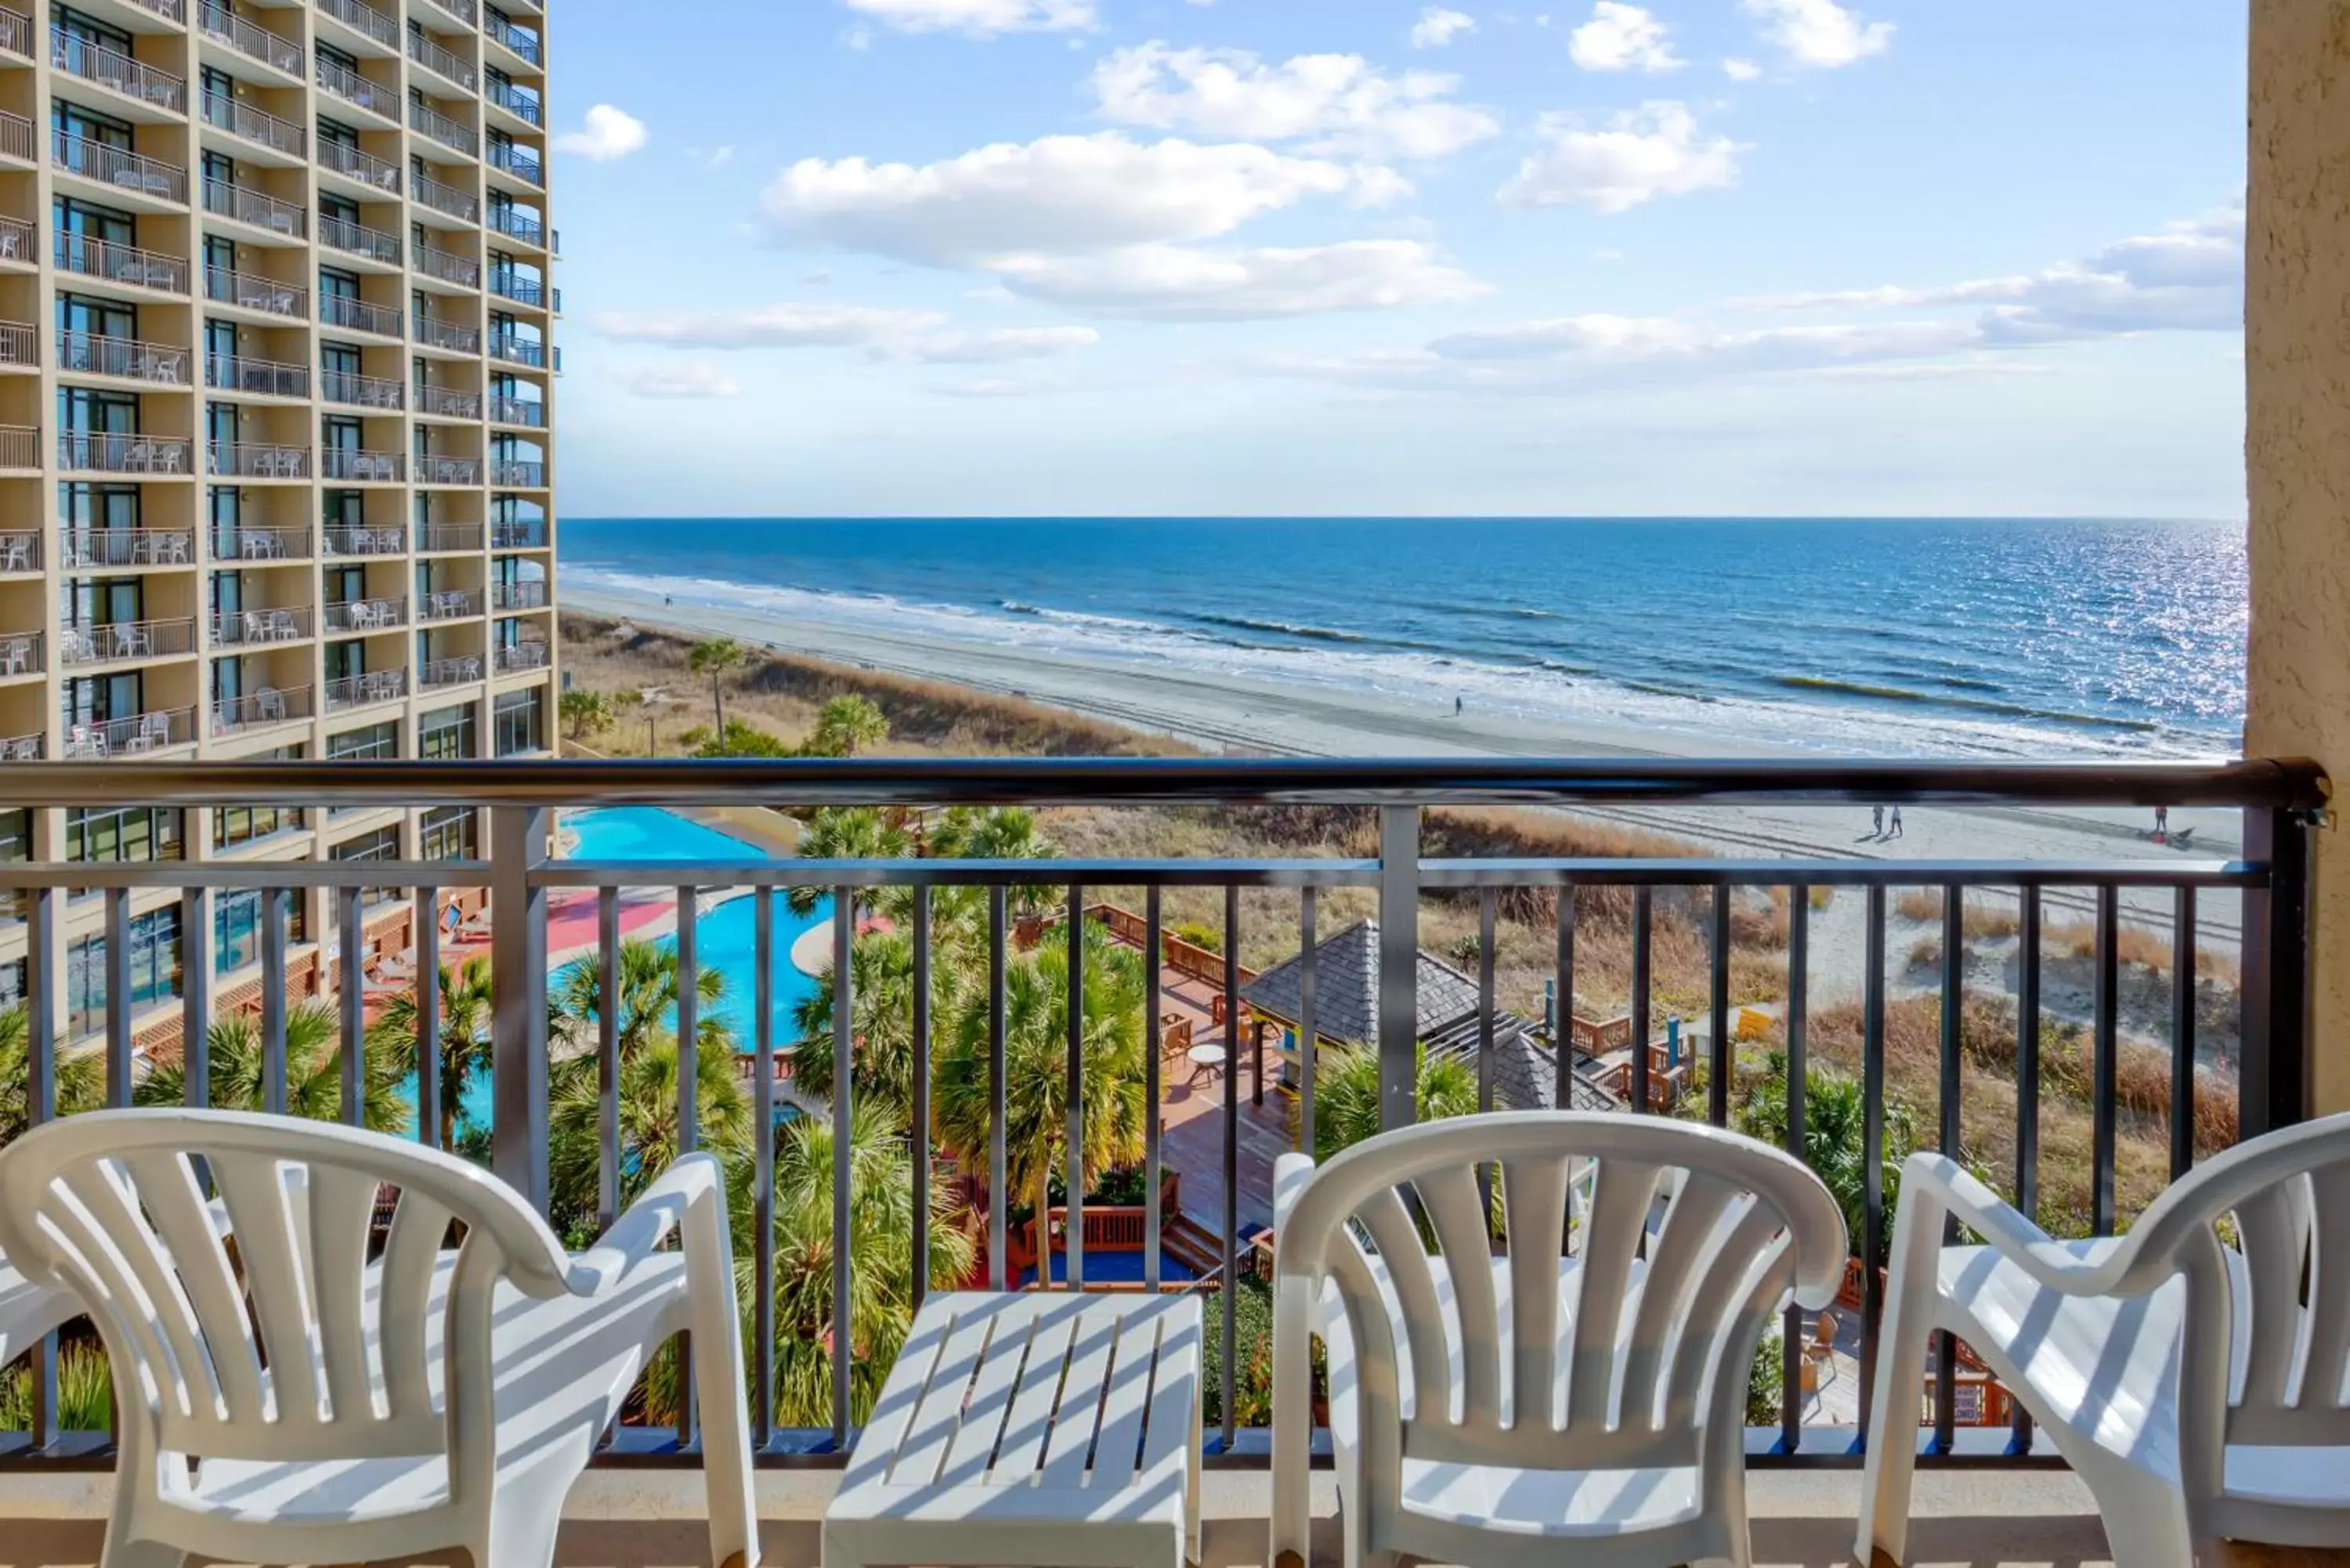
<point x="381" y="844"/>
<point x="224" y="505"/>
<point x="236" y="927"/>
<point x="376" y="743"/>
<point x="448" y="833"/>
<point x="445" y="735"/>
<point x="15" y="845"/>
<point x="236" y="825"/>
<point x="154" y="971"/>
<point x="121" y="834"/>
<point x="517" y="722"/>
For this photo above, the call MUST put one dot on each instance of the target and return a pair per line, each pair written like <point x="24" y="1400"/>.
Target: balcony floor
<point x="1802" y="1520"/>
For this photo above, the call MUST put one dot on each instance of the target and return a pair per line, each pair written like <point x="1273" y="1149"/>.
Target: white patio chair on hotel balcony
<point x="2193" y="1376"/>
<point x="1582" y="1398"/>
<point x="298" y="1403"/>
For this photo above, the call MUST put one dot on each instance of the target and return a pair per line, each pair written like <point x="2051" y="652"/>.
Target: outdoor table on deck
<point x="1208" y="1059"/>
<point x="982" y="1451"/>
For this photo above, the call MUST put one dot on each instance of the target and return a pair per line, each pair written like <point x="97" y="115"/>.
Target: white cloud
<point x="772" y="326"/>
<point x="1058" y="195"/>
<point x="1621" y="38"/>
<point x="858" y="38"/>
<point x="1645" y="153"/>
<point x="1437" y="28"/>
<point x="997" y="348"/>
<point x="689" y="378"/>
<point x="1819" y="32"/>
<point x="980" y="18"/>
<point x="1176" y="283"/>
<point x="606" y="133"/>
<point x="1338" y="104"/>
<point x="1740" y="70"/>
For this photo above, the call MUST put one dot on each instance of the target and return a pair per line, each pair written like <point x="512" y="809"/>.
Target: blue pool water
<point x="647" y="833"/>
<point x="1107" y="1268"/>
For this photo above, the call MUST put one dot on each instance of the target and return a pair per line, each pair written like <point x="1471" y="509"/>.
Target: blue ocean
<point x="1982" y="638"/>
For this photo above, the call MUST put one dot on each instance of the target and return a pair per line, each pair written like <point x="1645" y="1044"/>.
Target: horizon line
<point x="1402" y="517"/>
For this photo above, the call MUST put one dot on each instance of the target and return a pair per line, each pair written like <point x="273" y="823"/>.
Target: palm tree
<point x="881" y="966"/>
<point x="1835" y="1121"/>
<point x="648" y="1004"/>
<point x="994" y="833"/>
<point x="467" y="1005"/>
<point x="646" y="1099"/>
<point x="80" y="1075"/>
<point x="1036" y="1036"/>
<point x="845" y="726"/>
<point x="584" y="710"/>
<point x="847" y="833"/>
<point x="1346" y="1094"/>
<point x="314" y="1071"/>
<point x="717" y="658"/>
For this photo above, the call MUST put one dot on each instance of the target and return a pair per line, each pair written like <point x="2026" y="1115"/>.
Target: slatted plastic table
<point x="1043" y="1429"/>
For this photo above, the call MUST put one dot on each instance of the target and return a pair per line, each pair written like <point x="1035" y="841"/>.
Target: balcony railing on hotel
<point x="20" y="550"/>
<point x="518" y="474"/>
<point x="360" y="315"/>
<point x="255" y="125"/>
<point x="521" y="105"/>
<point x="523" y="596"/>
<point x="112" y="69"/>
<point x="463" y="671"/>
<point x="366" y="167"/>
<point x="223" y="26"/>
<point x="449" y="604"/>
<point x="518" y="412"/>
<point x="258" y="459"/>
<point x="443" y="197"/>
<point x="93" y="257"/>
<point x="448" y="403"/>
<point x="530" y="535"/>
<point x="431" y="122"/>
<point x="363" y="616"/>
<point x="362" y="690"/>
<point x="514" y="286"/>
<point x="1383" y="809"/>
<point x="516" y="658"/>
<point x="258" y="710"/>
<point x="252" y="542"/>
<point x="22" y="653"/>
<point x="343" y="540"/>
<point x="118" y="167"/>
<point x="262" y="378"/>
<point x="364" y="391"/>
<point x="521" y="40"/>
<point x="20" y="446"/>
<point x="20" y="345"/>
<point x="15" y="136"/>
<point x="363" y="467"/>
<point x="261" y="627"/>
<point x="80" y="548"/>
<point x="441" y="538"/>
<point x="439" y="61"/>
<point x="93" y="451"/>
<point x="89" y="354"/>
<point x="363" y="18"/>
<point x="252" y="291"/>
<point x="136" y="736"/>
<point x="16" y="240"/>
<point x="520" y="162"/>
<point x="121" y="641"/>
<point x="23" y="748"/>
<point x="354" y="88"/>
<point x="519" y="226"/>
<point x="359" y="239"/>
<point x="256" y="207"/>
<point x="15" y="32"/>
<point x="433" y="469"/>
<point x="518" y="351"/>
<point x="448" y="267"/>
<point x="461" y="9"/>
<point x="454" y="336"/>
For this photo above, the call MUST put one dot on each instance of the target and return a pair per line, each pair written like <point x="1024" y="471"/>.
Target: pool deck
<point x="1191" y="1114"/>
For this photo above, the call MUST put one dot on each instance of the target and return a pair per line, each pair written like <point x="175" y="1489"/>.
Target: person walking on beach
<point x="1459" y="703"/>
<point x="1894" y="831"/>
<point x="2162" y="825"/>
<point x="1877" y="823"/>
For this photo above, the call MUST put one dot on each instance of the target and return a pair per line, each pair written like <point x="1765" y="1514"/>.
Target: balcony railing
<point x="118" y="168"/>
<point x="1398" y="817"/>
<point x="255" y="125"/>
<point x="451" y="536"/>
<point x="442" y="197"/>
<point x="431" y="469"/>
<point x="518" y="412"/>
<point x="428" y="121"/>
<point x="527" y="595"/>
<point x="112" y="69"/>
<point x="447" y="403"/>
<point x="453" y="336"/>
<point x="520" y="658"/>
<point x="360" y="467"/>
<point x="16" y="240"/>
<point x="354" y="88"/>
<point x="80" y="548"/>
<point x="15" y="136"/>
<point x="517" y="161"/>
<point x="519" y="226"/>
<point x="522" y="41"/>
<point x="22" y="653"/>
<point x="521" y="105"/>
<point x="124" y="641"/>
<point x="255" y="42"/>
<point x="115" y="452"/>
<point x="362" y="616"/>
<point x="346" y="540"/>
<point x="259" y="710"/>
<point x="363" y="391"/>
<point x="137" y="736"/>
<point x="452" y="604"/>
<point x="363" y="18"/>
<point x="463" y="271"/>
<point x="173" y="11"/>
<point x="15" y="32"/>
<point x="89" y="354"/>
<point x="442" y="62"/>
<point x="514" y="474"/>
<point x="515" y="286"/>
<point x="20" y="550"/>
<point x="364" y="690"/>
<point x="464" y="671"/>
<point x="252" y="542"/>
<point x="258" y="459"/>
<point x="20" y="345"/>
<point x="23" y="748"/>
<point x="359" y="239"/>
<point x="464" y="10"/>
<point x="20" y="446"/>
<point x="518" y="351"/>
<point x="366" y="167"/>
<point x="261" y="627"/>
<point x="252" y="291"/>
<point x="262" y="377"/>
<point x="360" y="315"/>
<point x="250" y="206"/>
<point x="530" y="535"/>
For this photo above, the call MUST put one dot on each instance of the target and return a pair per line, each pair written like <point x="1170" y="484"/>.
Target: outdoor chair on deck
<point x="295" y="1401"/>
<point x="2193" y="1376"/>
<point x="1580" y="1398"/>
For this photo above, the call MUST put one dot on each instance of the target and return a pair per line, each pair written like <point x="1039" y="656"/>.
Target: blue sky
<point x="848" y="257"/>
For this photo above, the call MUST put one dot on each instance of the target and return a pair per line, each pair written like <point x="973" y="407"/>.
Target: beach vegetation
<point x="845" y="726"/>
<point x="1835" y="1115"/>
<point x="1347" y="1095"/>
<point x="467" y="1003"/>
<point x="314" y="1072"/>
<point x="584" y="712"/>
<point x="1201" y="934"/>
<point x="717" y="658"/>
<point x="80" y="1081"/>
<point x="740" y="740"/>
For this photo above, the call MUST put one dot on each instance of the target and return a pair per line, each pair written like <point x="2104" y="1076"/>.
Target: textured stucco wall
<point x="2297" y="365"/>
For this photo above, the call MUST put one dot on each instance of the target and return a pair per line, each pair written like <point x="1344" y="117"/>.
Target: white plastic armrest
<point x="636" y="1234"/>
<point x="1290" y="1174"/>
<point x="2006" y="1231"/>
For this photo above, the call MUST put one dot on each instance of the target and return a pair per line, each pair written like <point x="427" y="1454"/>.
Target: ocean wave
<point x="1973" y="705"/>
<point x="1280" y="627"/>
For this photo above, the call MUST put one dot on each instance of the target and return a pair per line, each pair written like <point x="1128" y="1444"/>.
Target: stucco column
<point x="2297" y="447"/>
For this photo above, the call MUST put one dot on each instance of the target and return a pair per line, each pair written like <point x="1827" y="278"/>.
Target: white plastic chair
<point x="2195" y="1383"/>
<point x="1580" y="1399"/>
<point x="339" y="1409"/>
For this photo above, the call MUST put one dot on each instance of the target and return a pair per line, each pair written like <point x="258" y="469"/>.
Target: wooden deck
<point x="1192" y="1110"/>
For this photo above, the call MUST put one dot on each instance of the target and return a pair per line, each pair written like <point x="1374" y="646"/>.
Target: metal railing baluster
<point x="273" y="1002"/>
<point x="1075" y="1099"/>
<point x="762" y="1170"/>
<point x="43" y="1003"/>
<point x="518" y="840"/>
<point x="609" y="1002"/>
<point x="2106" y="1046"/>
<point x="195" y="996"/>
<point x="1717" y="1076"/>
<point x="1562" y="1023"/>
<point x="118" y="997"/>
<point x="1307" y="1047"/>
<point x="920" y="1263"/>
<point x="844" y="1078"/>
<point x="689" y="1108"/>
<point x="2182" y="1034"/>
<point x="1799" y="988"/>
<point x="998" y="1224"/>
<point x="1398" y="966"/>
<point x="353" y="1100"/>
<point x="1872" y="1155"/>
<point x="1153" y="1041"/>
<point x="1231" y="1277"/>
<point x="428" y="1015"/>
<point x="2027" y="1092"/>
<point x="1643" y="915"/>
<point x="1486" y="902"/>
<point x="1951" y="1131"/>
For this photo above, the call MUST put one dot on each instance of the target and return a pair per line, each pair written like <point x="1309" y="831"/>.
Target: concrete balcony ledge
<point x="638" y="1518"/>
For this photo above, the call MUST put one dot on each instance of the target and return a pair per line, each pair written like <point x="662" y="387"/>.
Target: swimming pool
<point x="649" y="833"/>
<point x="1104" y="1268"/>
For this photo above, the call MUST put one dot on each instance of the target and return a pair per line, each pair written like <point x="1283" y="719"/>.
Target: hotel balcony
<point x="432" y="124"/>
<point x="519" y="162"/>
<point x="448" y="200"/>
<point x="520" y="227"/>
<point x="257" y="377"/>
<point x="125" y="642"/>
<point x="15" y="32"/>
<point x="81" y="549"/>
<point x="20" y="345"/>
<point x="122" y="359"/>
<point x="358" y="467"/>
<point x="443" y="63"/>
<point x="151" y="89"/>
<point x="525" y="412"/>
<point x="523" y="596"/>
<point x="378" y="175"/>
<point x="218" y="25"/>
<point x="450" y="470"/>
<point x="518" y="351"/>
<point x="453" y="336"/>
<point x="252" y="291"/>
<point x="365" y="542"/>
<point x="368" y="244"/>
<point x="257" y="459"/>
<point x="255" y="544"/>
<point x="530" y="535"/>
<point x="450" y="604"/>
<point x="127" y="264"/>
<point x="20" y="552"/>
<point x="520" y="42"/>
<point x="520" y="658"/>
<point x="365" y="617"/>
<point x="443" y="402"/>
<point x="20" y="447"/>
<point x="367" y="690"/>
<point x="263" y="129"/>
<point x="516" y="473"/>
<point x="88" y="452"/>
<point x="262" y="709"/>
<point x="244" y="205"/>
<point x="522" y="290"/>
<point x="350" y="388"/>
<point x="448" y="539"/>
<point x="23" y="748"/>
<point x="464" y="671"/>
<point x="16" y="137"/>
<point x="372" y="24"/>
<point x="261" y="627"/>
<point x="140" y="735"/>
<point x="22" y="654"/>
<point x="446" y="267"/>
<point x="340" y="81"/>
<point x="360" y="315"/>
<point x="18" y="238"/>
<point x="522" y="104"/>
<point x="126" y="176"/>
